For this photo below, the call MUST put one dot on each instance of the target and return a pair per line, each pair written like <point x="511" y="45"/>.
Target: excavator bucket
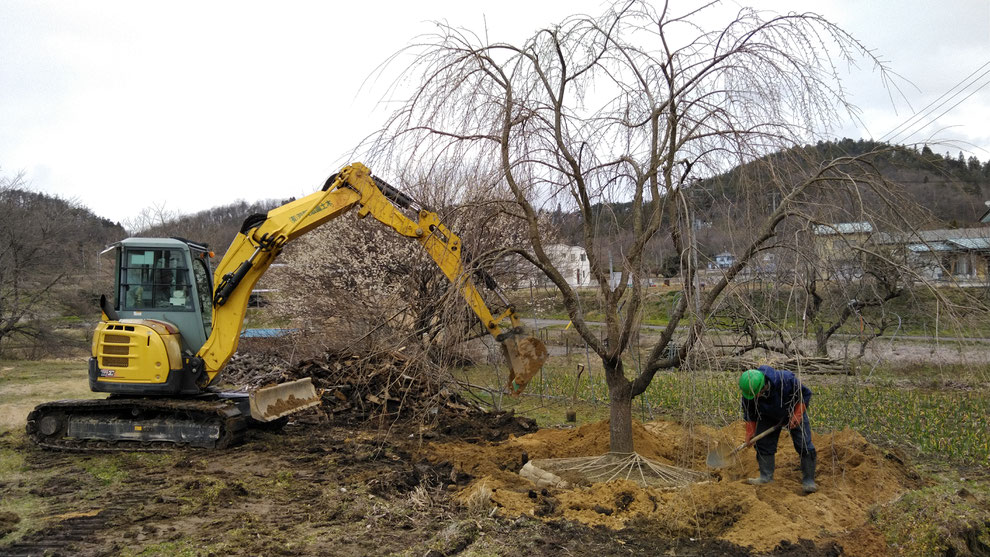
<point x="526" y="356"/>
<point x="271" y="403"/>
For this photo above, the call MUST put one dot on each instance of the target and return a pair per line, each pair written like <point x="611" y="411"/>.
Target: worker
<point x="772" y="397"/>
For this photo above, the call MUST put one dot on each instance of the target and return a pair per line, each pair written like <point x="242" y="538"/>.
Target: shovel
<point x="721" y="455"/>
<point x="571" y="412"/>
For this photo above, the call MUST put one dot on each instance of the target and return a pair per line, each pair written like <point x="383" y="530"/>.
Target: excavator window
<point x="155" y="279"/>
<point x="204" y="286"/>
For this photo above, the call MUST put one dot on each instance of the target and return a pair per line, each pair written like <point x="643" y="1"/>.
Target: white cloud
<point x="126" y="104"/>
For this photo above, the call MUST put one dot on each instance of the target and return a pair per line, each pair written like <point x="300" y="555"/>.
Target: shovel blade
<point x="271" y="403"/>
<point x="720" y="456"/>
<point x="526" y="356"/>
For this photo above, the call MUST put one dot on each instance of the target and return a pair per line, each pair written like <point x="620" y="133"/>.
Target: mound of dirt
<point x="853" y="475"/>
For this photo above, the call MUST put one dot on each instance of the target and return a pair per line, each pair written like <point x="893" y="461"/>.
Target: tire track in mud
<point x="78" y="531"/>
<point x="70" y="535"/>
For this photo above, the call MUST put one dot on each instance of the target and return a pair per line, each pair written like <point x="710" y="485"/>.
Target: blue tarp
<point x="266" y="333"/>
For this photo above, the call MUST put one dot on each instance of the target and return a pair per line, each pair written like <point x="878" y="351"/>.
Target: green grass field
<point x="957" y="312"/>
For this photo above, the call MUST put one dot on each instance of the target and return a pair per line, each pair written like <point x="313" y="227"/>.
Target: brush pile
<point x="384" y="386"/>
<point x="811" y="365"/>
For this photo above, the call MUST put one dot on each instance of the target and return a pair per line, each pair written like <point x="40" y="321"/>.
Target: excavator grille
<point x="115" y="345"/>
<point x="110" y="361"/>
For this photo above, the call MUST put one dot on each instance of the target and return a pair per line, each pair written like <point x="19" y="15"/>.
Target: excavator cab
<point x="166" y="279"/>
<point x="162" y="314"/>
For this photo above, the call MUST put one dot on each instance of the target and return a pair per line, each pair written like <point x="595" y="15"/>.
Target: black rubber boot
<point x="808" y="463"/>
<point x="766" y="464"/>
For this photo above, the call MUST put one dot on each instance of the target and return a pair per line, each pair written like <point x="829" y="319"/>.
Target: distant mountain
<point x="48" y="267"/>
<point x="951" y="189"/>
<point x="215" y="227"/>
<point x="66" y="230"/>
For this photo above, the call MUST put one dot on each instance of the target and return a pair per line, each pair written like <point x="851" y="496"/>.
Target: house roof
<point x="971" y="243"/>
<point x="932" y="246"/>
<point x="958" y="239"/>
<point x="938" y="235"/>
<point x="940" y="240"/>
<point x="843" y="228"/>
<point x="954" y="234"/>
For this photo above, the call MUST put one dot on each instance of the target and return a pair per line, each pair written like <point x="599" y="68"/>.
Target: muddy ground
<point x="320" y="489"/>
<point x="440" y="480"/>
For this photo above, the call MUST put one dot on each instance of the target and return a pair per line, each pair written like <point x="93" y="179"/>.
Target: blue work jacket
<point x="777" y="403"/>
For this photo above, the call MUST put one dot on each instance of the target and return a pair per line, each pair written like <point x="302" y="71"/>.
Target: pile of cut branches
<point x="255" y="369"/>
<point x="812" y="365"/>
<point x="383" y="383"/>
<point x="387" y="386"/>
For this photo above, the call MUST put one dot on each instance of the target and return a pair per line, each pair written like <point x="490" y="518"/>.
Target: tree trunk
<point x="821" y="342"/>
<point x="620" y="408"/>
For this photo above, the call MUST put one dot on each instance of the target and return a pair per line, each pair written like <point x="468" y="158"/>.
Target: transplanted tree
<point x="636" y="105"/>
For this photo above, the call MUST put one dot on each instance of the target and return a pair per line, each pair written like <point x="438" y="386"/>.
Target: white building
<point x="724" y="260"/>
<point x="572" y="262"/>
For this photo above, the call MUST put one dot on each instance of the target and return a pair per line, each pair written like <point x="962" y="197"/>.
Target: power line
<point x="920" y="112"/>
<point x="975" y="91"/>
<point x="938" y="103"/>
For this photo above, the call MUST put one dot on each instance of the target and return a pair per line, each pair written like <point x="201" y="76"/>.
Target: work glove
<point x="796" y="416"/>
<point x="750" y="431"/>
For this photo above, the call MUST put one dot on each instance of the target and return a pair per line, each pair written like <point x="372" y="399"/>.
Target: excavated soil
<point x="323" y="489"/>
<point x="309" y="490"/>
<point x="392" y="463"/>
<point x="853" y="475"/>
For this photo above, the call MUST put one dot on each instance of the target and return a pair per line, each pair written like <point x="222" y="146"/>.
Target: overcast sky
<point x="123" y="105"/>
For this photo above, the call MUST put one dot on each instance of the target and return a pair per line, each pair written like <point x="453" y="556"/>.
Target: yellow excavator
<point x="161" y="346"/>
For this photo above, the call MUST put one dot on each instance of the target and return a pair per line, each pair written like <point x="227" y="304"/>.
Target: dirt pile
<point x="853" y="475"/>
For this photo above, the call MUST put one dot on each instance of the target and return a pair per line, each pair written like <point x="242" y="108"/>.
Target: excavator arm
<point x="262" y="238"/>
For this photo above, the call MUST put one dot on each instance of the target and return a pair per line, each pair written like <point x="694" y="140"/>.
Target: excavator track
<point x="136" y="424"/>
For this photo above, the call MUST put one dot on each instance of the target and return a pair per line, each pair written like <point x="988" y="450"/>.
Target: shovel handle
<point x="757" y="438"/>
<point x="577" y="382"/>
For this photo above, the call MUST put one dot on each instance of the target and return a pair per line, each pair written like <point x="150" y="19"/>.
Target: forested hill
<point x="37" y="226"/>
<point x="50" y="227"/>
<point x="48" y="265"/>
<point x="953" y="188"/>
<point x="215" y="227"/>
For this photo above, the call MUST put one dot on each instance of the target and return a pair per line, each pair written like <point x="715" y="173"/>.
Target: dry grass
<point x="478" y="500"/>
<point x="25" y="384"/>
